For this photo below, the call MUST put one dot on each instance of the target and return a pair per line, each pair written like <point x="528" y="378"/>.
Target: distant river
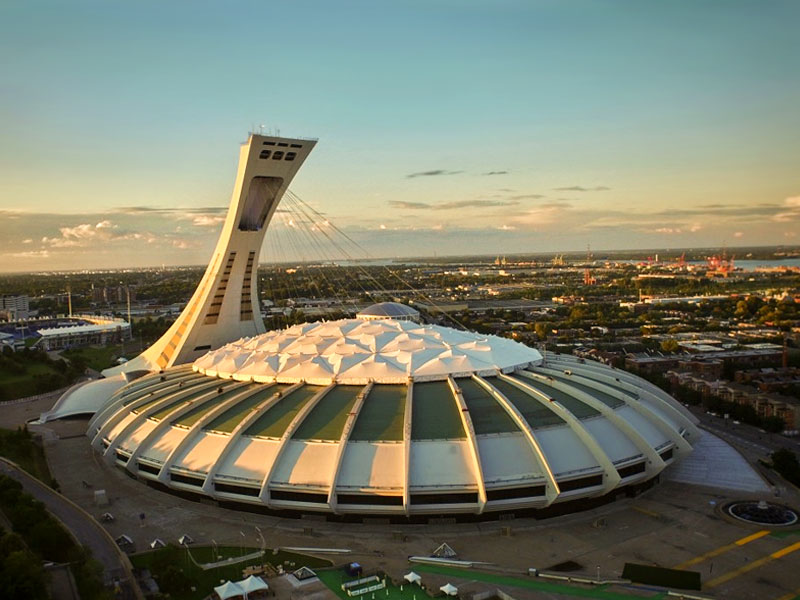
<point x="752" y="265"/>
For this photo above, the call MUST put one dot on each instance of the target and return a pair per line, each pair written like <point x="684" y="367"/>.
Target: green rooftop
<point x="230" y="419"/>
<point x="166" y="393"/>
<point x="579" y="409"/>
<point x="604" y="397"/>
<point x="179" y="402"/>
<point x="198" y="412"/>
<point x="154" y="380"/>
<point x="172" y="387"/>
<point x="276" y="420"/>
<point x="535" y="413"/>
<point x="381" y="415"/>
<point x="486" y="413"/>
<point x="435" y="413"/>
<point x="326" y="420"/>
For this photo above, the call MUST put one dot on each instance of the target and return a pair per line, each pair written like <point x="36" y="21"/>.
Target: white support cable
<point x="367" y="255"/>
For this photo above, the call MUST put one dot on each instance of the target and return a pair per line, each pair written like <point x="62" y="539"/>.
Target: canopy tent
<point x="185" y="540"/>
<point x="229" y="590"/>
<point x="252" y="584"/>
<point x="157" y="543"/>
<point x="449" y="589"/>
<point x="412" y="577"/>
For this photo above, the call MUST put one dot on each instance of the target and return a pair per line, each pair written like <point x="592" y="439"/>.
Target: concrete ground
<point x="672" y="525"/>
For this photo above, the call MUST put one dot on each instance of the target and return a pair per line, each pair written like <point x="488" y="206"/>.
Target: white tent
<point x="252" y="584"/>
<point x="229" y="590"/>
<point x="449" y="589"/>
<point x="412" y="578"/>
<point x="157" y="543"/>
<point x="124" y="540"/>
<point x="185" y="540"/>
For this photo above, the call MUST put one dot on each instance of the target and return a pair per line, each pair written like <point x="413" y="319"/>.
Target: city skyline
<point x="444" y="128"/>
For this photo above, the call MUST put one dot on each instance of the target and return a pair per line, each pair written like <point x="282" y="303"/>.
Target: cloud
<point x="409" y="205"/>
<point x="474" y="204"/>
<point x="495" y="173"/>
<point x="668" y="230"/>
<point x="86" y="234"/>
<point x="27" y="241"/>
<point x="527" y="197"/>
<point x="790" y="210"/>
<point x="29" y="254"/>
<point x="169" y="210"/>
<point x="580" y="188"/>
<point x="207" y="220"/>
<point x="433" y="173"/>
<point x="507" y="228"/>
<point x="402" y="204"/>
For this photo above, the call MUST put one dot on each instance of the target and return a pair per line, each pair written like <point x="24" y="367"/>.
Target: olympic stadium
<point x="391" y="417"/>
<point x="381" y="414"/>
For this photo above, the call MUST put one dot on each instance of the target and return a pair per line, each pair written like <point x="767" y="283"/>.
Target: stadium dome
<point x="394" y="418"/>
<point x="389" y="310"/>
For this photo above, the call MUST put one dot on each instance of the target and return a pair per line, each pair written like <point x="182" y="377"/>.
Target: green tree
<point x="670" y="345"/>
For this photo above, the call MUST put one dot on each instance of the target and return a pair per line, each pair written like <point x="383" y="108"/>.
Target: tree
<point x="670" y="345"/>
<point x="22" y="577"/>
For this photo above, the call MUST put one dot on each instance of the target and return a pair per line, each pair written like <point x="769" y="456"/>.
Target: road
<point x="87" y="531"/>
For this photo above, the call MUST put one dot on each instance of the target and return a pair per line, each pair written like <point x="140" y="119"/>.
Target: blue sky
<point x="619" y="124"/>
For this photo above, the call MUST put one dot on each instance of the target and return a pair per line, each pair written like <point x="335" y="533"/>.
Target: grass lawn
<point x="532" y="583"/>
<point x="24" y="384"/>
<point x="95" y="357"/>
<point x="205" y="581"/>
<point x="334" y="578"/>
<point x="20" y="447"/>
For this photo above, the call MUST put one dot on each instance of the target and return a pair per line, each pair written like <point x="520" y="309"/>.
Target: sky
<point x="445" y="126"/>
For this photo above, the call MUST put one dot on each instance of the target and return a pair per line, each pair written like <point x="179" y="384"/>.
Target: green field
<point x="531" y="583"/>
<point x="95" y="357"/>
<point x="29" y="383"/>
<point x="174" y="571"/>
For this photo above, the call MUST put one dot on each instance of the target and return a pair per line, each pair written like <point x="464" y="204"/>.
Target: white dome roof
<point x="356" y="351"/>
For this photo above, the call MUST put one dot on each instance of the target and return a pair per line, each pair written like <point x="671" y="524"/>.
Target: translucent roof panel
<point x="381" y="416"/>
<point x="435" y="413"/>
<point x="276" y="420"/>
<point x="534" y="412"/>
<point x="604" y="397"/>
<point x="486" y="413"/>
<point x="579" y="409"/>
<point x="230" y="419"/>
<point x="326" y="420"/>
<point x="193" y="416"/>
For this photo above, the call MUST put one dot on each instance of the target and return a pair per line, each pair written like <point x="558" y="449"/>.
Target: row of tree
<point x="39" y="537"/>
